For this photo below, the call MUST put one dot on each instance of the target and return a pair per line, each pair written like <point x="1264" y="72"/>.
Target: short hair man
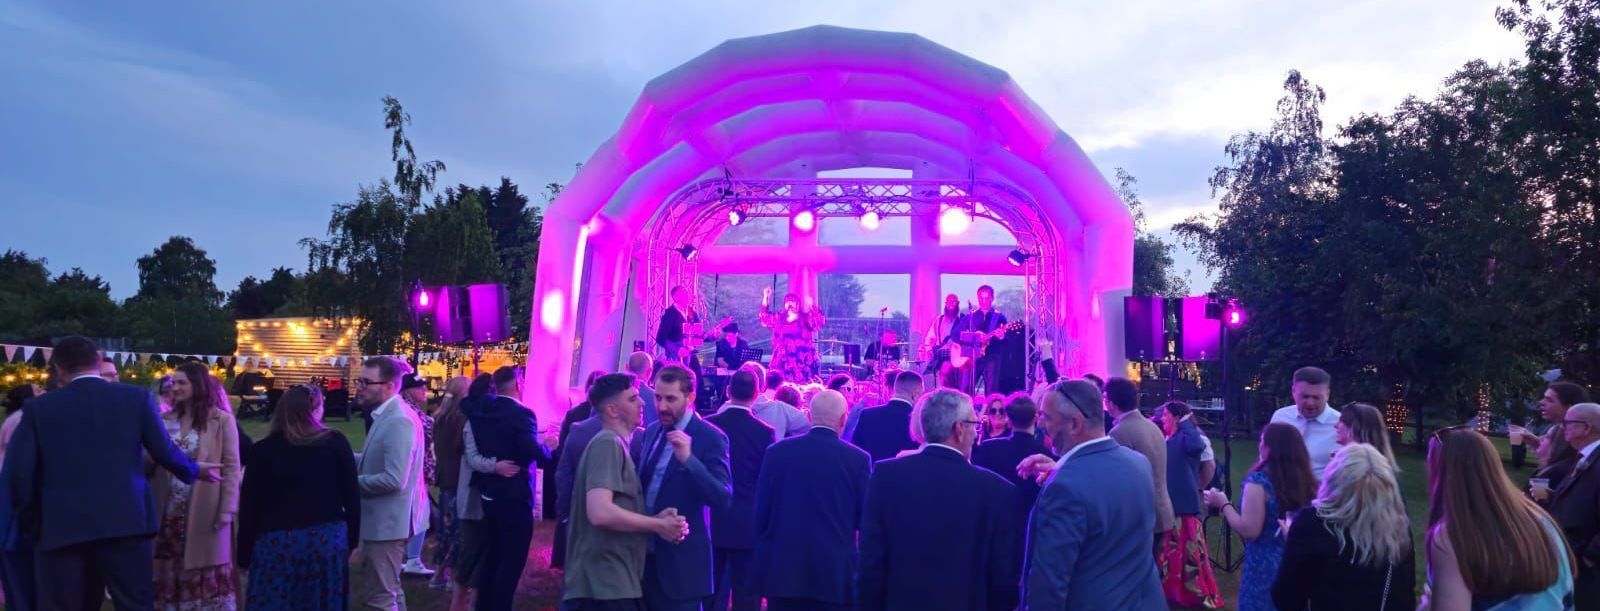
<point x="1575" y="503"/>
<point x="943" y="546"/>
<point x="605" y="550"/>
<point x="1312" y="416"/>
<point x="810" y="485"/>
<point x="92" y="506"/>
<point x="733" y="530"/>
<point x="885" y="430"/>
<point x="506" y="429"/>
<point x="1552" y="447"/>
<point x="684" y="465"/>
<point x="414" y="391"/>
<point x="394" y="500"/>
<point x="786" y="420"/>
<point x="1002" y="455"/>
<point x="1088" y="543"/>
<point x="643" y="369"/>
<point x="1136" y="432"/>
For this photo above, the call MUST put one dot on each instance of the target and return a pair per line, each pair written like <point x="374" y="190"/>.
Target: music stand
<point x="750" y="355"/>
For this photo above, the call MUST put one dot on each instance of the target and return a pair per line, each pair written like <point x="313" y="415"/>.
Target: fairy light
<point x="1397" y="413"/>
<point x="1483" y="409"/>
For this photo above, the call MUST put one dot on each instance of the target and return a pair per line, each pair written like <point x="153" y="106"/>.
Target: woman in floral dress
<point x="194" y="542"/>
<point x="794" y="330"/>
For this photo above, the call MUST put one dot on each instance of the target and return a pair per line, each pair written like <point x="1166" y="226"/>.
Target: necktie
<point x="647" y="469"/>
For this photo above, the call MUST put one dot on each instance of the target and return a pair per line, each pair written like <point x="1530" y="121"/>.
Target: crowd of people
<point x="1068" y="497"/>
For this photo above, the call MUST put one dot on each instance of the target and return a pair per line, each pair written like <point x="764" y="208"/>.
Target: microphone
<point x="883" y="310"/>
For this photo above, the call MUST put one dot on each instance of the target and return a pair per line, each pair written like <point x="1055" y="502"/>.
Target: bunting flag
<point x="28" y="352"/>
<point x="47" y="353"/>
<point x="212" y="360"/>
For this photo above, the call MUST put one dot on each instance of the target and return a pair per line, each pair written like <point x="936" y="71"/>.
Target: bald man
<point x="809" y="501"/>
<point x="1575" y="504"/>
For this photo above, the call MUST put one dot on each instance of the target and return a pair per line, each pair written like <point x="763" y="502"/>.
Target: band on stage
<point x="977" y="351"/>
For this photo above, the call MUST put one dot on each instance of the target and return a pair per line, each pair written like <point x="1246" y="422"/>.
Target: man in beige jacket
<point x="1137" y="432"/>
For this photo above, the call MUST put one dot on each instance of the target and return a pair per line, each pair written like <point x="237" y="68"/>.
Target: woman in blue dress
<point x="1278" y="485"/>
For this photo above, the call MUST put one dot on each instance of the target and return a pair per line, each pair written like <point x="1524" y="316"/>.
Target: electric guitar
<point x="694" y="334"/>
<point x="958" y="358"/>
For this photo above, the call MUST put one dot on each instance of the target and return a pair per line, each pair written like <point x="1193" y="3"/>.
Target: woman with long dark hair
<point x="1186" y="577"/>
<point x="300" y="510"/>
<point x="1489" y="547"/>
<point x="13" y="404"/>
<point x="194" y="542"/>
<point x="794" y="329"/>
<point x="1279" y="484"/>
<point x="1363" y="423"/>
<point x="448" y="425"/>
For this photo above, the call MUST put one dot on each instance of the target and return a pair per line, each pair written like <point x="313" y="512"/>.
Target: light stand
<point x="1228" y="315"/>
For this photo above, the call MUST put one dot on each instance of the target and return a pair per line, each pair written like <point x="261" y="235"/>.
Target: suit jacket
<point x="809" y="502"/>
<point x="203" y="544"/>
<point x="693" y="487"/>
<point x="885" y="430"/>
<point x="647" y="398"/>
<point x="940" y="533"/>
<point x="1575" y="504"/>
<point x="577" y="440"/>
<point x="506" y="430"/>
<point x="1002" y="455"/>
<point x="394" y="503"/>
<point x="748" y="440"/>
<point x="1139" y="434"/>
<point x="1089" y="535"/>
<point x="1183" y="468"/>
<point x="76" y="468"/>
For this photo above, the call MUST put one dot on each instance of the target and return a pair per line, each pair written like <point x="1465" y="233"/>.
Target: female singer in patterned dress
<point x="794" y="330"/>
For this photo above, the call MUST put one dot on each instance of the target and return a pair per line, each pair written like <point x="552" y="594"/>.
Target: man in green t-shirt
<point x="607" y="533"/>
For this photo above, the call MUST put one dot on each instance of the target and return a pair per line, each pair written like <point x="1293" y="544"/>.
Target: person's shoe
<point x="415" y="567"/>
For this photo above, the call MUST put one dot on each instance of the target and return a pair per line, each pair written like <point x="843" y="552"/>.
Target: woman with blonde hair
<point x="1351" y="549"/>
<point x="194" y="539"/>
<point x="1363" y="423"/>
<point x="1489" y="547"/>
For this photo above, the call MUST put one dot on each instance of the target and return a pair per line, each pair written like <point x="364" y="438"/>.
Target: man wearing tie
<point x="885" y="430"/>
<point x="1575" y="504"/>
<point x="809" y="503"/>
<point x="75" y="469"/>
<point x="732" y="533"/>
<point x="938" y="532"/>
<point x="683" y="465"/>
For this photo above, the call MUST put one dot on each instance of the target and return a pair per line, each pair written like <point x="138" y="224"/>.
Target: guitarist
<point x="670" y="332"/>
<point x="982" y="320"/>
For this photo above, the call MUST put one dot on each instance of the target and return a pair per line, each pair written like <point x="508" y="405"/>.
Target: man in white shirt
<point x="1311" y="415"/>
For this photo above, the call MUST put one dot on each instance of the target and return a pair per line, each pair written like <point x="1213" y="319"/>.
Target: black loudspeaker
<point x="1144" y="328"/>
<point x="1199" y="330"/>
<point x="471" y="313"/>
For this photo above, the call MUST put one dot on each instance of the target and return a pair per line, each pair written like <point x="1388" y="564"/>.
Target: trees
<point x="178" y="307"/>
<point x="178" y="270"/>
<point x="1152" y="256"/>
<point x="450" y="242"/>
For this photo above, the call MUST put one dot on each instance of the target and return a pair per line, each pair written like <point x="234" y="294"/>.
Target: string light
<point x="1396" y="412"/>
<point x="1483" y="409"/>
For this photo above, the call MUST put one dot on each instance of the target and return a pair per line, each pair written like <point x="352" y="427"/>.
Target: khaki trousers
<point x="378" y="576"/>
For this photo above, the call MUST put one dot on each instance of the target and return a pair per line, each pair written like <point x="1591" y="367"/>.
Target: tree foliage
<point x="1153" y="272"/>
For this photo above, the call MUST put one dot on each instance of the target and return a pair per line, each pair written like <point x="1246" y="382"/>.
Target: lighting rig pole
<point x="1228" y="314"/>
<point x="421" y="301"/>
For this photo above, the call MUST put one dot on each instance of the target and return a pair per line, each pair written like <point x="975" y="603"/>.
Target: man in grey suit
<point x="1138" y="433"/>
<point x="1089" y="535"/>
<point x="394" y="504"/>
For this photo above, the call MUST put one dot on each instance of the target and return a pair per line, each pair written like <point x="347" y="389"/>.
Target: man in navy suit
<point x="506" y="429"/>
<point x="885" y="430"/>
<point x="1088" y="541"/>
<point x="809" y="503"/>
<point x="732" y="530"/>
<point x="938" y="532"/>
<point x="75" y="467"/>
<point x="1002" y="454"/>
<point x="642" y="367"/>
<point x="683" y="464"/>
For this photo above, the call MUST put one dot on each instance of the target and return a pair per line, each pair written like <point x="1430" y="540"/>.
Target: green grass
<point x="1413" y="486"/>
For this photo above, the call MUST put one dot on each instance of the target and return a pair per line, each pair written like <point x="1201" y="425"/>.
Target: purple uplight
<point x="423" y="300"/>
<point x="1235" y="315"/>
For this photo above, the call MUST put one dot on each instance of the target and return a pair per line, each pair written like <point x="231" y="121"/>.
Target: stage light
<point x="1235" y="316"/>
<point x="954" y="221"/>
<point x="1017" y="257"/>
<point x="687" y="251"/>
<point x="805" y="220"/>
<point x="735" y="216"/>
<point x="870" y="220"/>
<point x="424" y="301"/>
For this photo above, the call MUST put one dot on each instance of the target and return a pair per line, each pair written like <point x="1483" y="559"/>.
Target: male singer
<point x="982" y="320"/>
<point x="669" y="333"/>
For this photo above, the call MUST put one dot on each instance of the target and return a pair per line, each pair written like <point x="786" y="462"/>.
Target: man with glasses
<point x="394" y="503"/>
<point x="939" y="533"/>
<point x="1088" y="541"/>
<point x="1575" y="504"/>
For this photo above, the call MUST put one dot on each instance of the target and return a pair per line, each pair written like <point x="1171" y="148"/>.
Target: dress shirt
<point x="383" y="408"/>
<point x="1075" y="449"/>
<point x="1320" y="435"/>
<point x="659" y="469"/>
<point x="950" y="448"/>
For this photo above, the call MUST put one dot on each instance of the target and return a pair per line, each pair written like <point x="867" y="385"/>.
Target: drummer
<point x="731" y="348"/>
<point x="886" y="348"/>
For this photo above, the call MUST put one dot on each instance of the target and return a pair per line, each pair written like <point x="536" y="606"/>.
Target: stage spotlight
<point x="423" y="300"/>
<point x="954" y="220"/>
<point x="805" y="220"/>
<point x="870" y="220"/>
<point x="1235" y="314"/>
<point x="1017" y="257"/>
<point x="735" y="216"/>
<point x="687" y="251"/>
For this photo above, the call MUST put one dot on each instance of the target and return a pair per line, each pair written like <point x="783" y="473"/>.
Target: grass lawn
<point x="539" y="589"/>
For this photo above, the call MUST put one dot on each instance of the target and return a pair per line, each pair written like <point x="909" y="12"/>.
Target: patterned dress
<point x="177" y="589"/>
<point x="1262" y="556"/>
<point x="301" y="569"/>
<point x="794" y="344"/>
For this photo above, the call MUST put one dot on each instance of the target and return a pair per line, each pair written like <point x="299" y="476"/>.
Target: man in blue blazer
<point x="885" y="430"/>
<point x="1088" y="543"/>
<point x="939" y="533"/>
<point x="732" y="530"/>
<point x="683" y="464"/>
<point x="75" y="468"/>
<point x="504" y="428"/>
<point x="809" y="503"/>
